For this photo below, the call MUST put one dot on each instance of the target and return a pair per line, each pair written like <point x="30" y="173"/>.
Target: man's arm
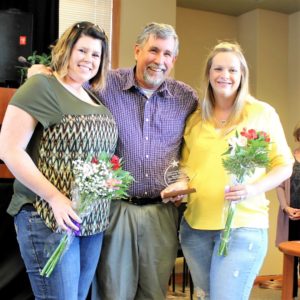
<point x="39" y="69"/>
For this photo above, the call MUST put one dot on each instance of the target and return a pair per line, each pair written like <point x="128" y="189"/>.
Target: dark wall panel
<point x="15" y="40"/>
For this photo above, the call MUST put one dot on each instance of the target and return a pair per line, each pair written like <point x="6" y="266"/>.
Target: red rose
<point x="115" y="162"/>
<point x="95" y="160"/>
<point x="250" y="134"/>
<point x="265" y="136"/>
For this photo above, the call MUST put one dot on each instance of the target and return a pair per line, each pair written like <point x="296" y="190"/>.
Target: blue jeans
<point x="72" y="276"/>
<point x="228" y="277"/>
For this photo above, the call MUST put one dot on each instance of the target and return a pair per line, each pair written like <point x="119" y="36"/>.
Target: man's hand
<point x="39" y="69"/>
<point x="177" y="186"/>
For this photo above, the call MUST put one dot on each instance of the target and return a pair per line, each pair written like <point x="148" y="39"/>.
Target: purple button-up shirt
<point x="150" y="130"/>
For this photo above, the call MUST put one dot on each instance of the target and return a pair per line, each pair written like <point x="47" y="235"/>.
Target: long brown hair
<point x="61" y="52"/>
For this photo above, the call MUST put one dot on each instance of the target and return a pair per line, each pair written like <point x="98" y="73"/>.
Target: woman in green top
<point x="51" y="121"/>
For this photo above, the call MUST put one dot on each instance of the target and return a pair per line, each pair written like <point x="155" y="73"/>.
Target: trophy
<point x="173" y="174"/>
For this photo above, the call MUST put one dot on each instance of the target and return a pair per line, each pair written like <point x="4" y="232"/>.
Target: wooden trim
<point x="4" y="172"/>
<point x="262" y="278"/>
<point x="115" y="43"/>
<point x="5" y="96"/>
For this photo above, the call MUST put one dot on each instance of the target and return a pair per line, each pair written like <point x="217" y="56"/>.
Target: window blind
<point x="95" y="11"/>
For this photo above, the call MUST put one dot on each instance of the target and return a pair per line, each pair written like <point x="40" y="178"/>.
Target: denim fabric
<point x="228" y="277"/>
<point x="72" y="276"/>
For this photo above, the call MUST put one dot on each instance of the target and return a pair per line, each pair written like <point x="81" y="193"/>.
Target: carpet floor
<point x="257" y="293"/>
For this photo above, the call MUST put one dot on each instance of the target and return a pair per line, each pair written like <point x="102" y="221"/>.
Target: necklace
<point x="220" y="123"/>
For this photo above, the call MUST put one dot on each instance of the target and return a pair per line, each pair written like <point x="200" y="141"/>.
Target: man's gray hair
<point x="158" y="30"/>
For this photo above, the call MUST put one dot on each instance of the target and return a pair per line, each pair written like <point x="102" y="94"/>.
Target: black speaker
<point x="15" y="40"/>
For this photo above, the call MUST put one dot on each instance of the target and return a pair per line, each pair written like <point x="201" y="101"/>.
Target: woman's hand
<point x="238" y="192"/>
<point x="293" y="213"/>
<point x="63" y="212"/>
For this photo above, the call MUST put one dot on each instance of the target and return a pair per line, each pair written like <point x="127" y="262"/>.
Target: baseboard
<point x="264" y="278"/>
<point x="264" y="281"/>
<point x="270" y="281"/>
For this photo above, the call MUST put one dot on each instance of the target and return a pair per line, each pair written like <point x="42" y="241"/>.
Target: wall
<point x="135" y="14"/>
<point x="293" y="102"/>
<point x="198" y="32"/>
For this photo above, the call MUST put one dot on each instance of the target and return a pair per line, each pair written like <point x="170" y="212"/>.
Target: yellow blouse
<point x="202" y="160"/>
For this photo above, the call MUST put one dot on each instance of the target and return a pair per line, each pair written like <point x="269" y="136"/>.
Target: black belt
<point x="28" y="207"/>
<point x="143" y="201"/>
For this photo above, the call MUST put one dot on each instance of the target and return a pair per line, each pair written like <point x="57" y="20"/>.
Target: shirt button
<point x="146" y="138"/>
<point x="146" y="193"/>
<point x="147" y="120"/>
<point x="146" y="175"/>
<point x="147" y="156"/>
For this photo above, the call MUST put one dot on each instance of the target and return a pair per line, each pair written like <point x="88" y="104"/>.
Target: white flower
<point x="234" y="141"/>
<point x="242" y="141"/>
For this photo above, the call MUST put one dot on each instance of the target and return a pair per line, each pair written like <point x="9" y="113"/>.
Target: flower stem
<point x="54" y="258"/>
<point x="225" y="235"/>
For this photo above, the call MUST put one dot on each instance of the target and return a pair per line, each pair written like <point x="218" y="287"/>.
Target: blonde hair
<point x="242" y="92"/>
<point x="61" y="52"/>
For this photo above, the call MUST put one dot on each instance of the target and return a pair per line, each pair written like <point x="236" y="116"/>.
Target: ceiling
<point x="238" y="7"/>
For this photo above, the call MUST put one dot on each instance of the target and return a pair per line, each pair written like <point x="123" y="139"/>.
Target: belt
<point x="143" y="201"/>
<point x="28" y="207"/>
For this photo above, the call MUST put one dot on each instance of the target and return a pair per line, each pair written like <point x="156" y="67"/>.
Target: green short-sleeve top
<point x="67" y="129"/>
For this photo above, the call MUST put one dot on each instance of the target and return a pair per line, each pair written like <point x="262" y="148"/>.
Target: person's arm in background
<point x="293" y="213"/>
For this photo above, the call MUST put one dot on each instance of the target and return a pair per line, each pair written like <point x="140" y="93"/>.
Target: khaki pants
<point x="138" y="254"/>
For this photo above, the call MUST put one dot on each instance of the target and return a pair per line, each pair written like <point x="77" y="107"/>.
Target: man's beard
<point x="155" y="81"/>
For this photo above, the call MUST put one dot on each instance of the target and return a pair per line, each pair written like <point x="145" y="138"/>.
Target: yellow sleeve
<point x="280" y="153"/>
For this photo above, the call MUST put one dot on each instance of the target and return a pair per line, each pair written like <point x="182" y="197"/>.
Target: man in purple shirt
<point x="140" y="245"/>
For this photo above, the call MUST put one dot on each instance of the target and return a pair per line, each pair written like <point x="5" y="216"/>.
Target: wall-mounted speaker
<point x="15" y="40"/>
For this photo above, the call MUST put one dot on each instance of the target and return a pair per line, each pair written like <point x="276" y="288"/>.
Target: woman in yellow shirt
<point x="227" y="108"/>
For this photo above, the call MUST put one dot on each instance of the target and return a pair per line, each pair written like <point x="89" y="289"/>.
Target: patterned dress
<point x="68" y="129"/>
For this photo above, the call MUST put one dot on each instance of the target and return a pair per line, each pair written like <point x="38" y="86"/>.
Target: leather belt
<point x="143" y="201"/>
<point x="28" y="207"/>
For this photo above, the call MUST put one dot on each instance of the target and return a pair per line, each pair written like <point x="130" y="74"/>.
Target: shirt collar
<point x="130" y="82"/>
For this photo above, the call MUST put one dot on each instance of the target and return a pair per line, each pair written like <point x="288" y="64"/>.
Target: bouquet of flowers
<point x="246" y="152"/>
<point x="95" y="179"/>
